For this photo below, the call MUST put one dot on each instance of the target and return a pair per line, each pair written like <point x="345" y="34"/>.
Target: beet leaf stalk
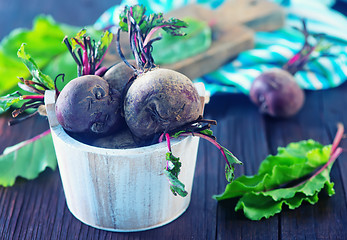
<point x="304" y="55"/>
<point x="141" y="30"/>
<point x="87" y="53"/>
<point x="334" y="154"/>
<point x="198" y="130"/>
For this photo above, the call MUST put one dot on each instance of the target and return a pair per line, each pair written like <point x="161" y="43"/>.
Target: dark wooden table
<point x="37" y="210"/>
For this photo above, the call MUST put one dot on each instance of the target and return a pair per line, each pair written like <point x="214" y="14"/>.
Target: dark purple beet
<point x="118" y="75"/>
<point x="277" y="93"/>
<point x="160" y="100"/>
<point x="85" y="105"/>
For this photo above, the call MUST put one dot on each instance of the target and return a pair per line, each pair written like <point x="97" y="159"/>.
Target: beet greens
<point x="162" y="102"/>
<point x="141" y="29"/>
<point x="200" y="128"/>
<point x="34" y="88"/>
<point x="87" y="53"/>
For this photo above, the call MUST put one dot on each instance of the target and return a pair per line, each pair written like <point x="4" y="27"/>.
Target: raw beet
<point x="277" y="93"/>
<point x="118" y="75"/>
<point x="160" y="100"/>
<point x="85" y="105"/>
<point x="121" y="139"/>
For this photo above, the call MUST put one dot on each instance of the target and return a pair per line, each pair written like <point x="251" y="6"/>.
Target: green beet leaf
<point x="263" y="195"/>
<point x="172" y="171"/>
<point x="27" y="159"/>
<point x="36" y="73"/>
<point x="44" y="42"/>
<point x="149" y="23"/>
<point x="7" y="101"/>
<point x="176" y="186"/>
<point x="103" y="44"/>
<point x="290" y="163"/>
<point x="257" y="205"/>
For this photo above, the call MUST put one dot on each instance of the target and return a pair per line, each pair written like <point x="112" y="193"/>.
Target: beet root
<point x="160" y="100"/>
<point x="85" y="105"/>
<point x="277" y="93"/>
<point x="118" y="75"/>
<point x="122" y="139"/>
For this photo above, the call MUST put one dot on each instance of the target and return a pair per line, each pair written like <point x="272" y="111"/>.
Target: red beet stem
<point x="33" y="97"/>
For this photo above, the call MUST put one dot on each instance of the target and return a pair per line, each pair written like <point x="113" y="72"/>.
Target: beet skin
<point x="118" y="75"/>
<point x="277" y="93"/>
<point x="85" y="105"/>
<point x="160" y="100"/>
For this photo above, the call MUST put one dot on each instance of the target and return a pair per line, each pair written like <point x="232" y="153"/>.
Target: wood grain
<point x="37" y="209"/>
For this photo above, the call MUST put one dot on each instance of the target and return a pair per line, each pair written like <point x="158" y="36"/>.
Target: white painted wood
<point x="120" y="189"/>
<point x="50" y="108"/>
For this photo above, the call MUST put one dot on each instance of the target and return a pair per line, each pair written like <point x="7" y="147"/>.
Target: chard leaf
<point x="263" y="195"/>
<point x="27" y="159"/>
<point x="290" y="163"/>
<point x="34" y="69"/>
<point x="257" y="205"/>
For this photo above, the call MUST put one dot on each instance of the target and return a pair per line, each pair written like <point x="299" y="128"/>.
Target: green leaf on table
<point x="27" y="159"/>
<point x="264" y="194"/>
<point x="257" y="205"/>
<point x="63" y="63"/>
<point x="43" y="42"/>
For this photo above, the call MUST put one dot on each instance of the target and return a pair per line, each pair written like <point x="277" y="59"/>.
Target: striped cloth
<point x="272" y="49"/>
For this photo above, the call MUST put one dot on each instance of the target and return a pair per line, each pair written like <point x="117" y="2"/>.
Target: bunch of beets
<point x="134" y="100"/>
<point x="131" y="104"/>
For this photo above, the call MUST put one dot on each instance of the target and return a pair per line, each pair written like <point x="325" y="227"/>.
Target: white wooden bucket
<point x="121" y="190"/>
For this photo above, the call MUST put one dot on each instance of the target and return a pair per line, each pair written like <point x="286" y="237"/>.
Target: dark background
<point x="84" y="12"/>
<point x="37" y="209"/>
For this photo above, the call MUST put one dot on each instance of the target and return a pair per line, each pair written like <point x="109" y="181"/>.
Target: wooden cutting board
<point x="233" y="26"/>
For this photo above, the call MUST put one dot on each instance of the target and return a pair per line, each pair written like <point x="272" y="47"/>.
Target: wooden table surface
<point x="37" y="209"/>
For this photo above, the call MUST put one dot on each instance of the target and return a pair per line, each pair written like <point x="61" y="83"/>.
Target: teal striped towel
<point x="272" y="49"/>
